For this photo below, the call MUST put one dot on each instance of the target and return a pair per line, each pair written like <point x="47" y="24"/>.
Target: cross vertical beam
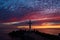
<point x="29" y="24"/>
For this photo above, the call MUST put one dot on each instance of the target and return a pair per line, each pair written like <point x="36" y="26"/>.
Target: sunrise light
<point x="44" y="25"/>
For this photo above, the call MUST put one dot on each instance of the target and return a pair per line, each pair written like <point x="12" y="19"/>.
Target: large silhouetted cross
<point x="29" y="24"/>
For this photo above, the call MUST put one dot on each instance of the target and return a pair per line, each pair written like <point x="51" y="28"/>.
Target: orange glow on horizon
<point x="43" y="25"/>
<point x="37" y="27"/>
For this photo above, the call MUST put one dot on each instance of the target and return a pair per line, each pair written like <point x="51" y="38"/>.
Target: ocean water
<point x="4" y="32"/>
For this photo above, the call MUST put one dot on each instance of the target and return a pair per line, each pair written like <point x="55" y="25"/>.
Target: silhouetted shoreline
<point x="32" y="35"/>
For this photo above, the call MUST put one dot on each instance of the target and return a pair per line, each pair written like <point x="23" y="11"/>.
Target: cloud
<point x="35" y="22"/>
<point x="11" y="11"/>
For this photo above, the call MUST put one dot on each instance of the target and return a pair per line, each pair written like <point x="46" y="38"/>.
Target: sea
<point x="5" y="30"/>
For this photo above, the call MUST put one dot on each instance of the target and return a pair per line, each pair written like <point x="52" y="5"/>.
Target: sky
<point x="16" y="11"/>
<point x="43" y="14"/>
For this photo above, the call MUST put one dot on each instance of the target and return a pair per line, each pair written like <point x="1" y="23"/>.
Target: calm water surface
<point x="4" y="32"/>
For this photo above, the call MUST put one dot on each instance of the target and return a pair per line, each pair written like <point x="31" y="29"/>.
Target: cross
<point x="29" y="24"/>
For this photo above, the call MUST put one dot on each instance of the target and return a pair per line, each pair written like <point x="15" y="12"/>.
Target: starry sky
<point x="18" y="10"/>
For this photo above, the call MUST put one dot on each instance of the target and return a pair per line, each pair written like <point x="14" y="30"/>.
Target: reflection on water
<point x="53" y="31"/>
<point x="4" y="34"/>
